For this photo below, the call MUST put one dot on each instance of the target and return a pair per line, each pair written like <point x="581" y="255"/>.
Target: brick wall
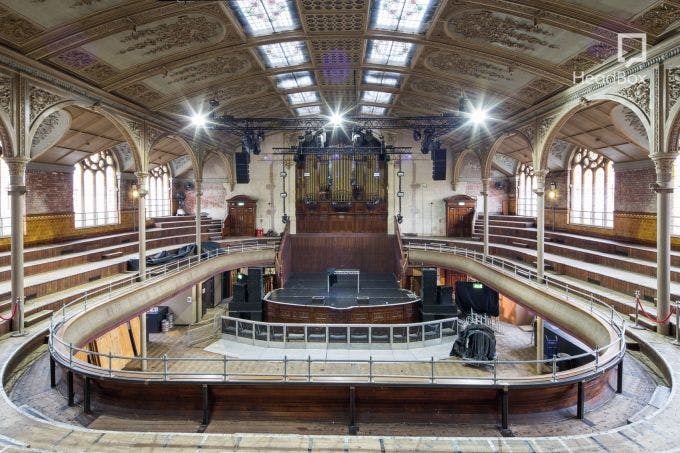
<point x="49" y="192"/>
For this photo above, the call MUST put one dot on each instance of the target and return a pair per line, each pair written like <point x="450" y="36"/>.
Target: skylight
<point x="291" y="53"/>
<point x="395" y="53"/>
<point x="382" y="78"/>
<point x="303" y="97"/>
<point x="379" y="97"/>
<point x="310" y="110"/>
<point x="406" y="16"/>
<point x="264" y="17"/>
<point x="372" y="110"/>
<point x="299" y="79"/>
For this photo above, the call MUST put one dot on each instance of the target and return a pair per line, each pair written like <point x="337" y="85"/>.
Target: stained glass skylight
<point x="290" y="53"/>
<point x="264" y="17"/>
<point x="406" y="16"/>
<point x="298" y="79"/>
<point x="382" y="78"/>
<point x="379" y="97"/>
<point x="372" y="110"/>
<point x="310" y="110"/>
<point x="394" y="53"/>
<point x="303" y="97"/>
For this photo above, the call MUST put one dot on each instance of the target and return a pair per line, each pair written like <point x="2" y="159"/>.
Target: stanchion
<point x="637" y="311"/>
<point x="677" y="324"/>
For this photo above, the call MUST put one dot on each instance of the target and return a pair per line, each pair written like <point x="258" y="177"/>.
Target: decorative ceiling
<point x="420" y="56"/>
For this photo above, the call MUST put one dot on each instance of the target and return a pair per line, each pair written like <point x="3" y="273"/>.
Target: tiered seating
<point x="612" y="270"/>
<point x="62" y="272"/>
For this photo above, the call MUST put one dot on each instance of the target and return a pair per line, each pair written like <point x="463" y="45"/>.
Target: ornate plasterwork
<point x="85" y="63"/>
<point x="559" y="154"/>
<point x="50" y="131"/>
<point x="601" y="51"/>
<point x="634" y="122"/>
<point x="330" y="22"/>
<point x="506" y="163"/>
<point x="673" y="81"/>
<point x="578" y="63"/>
<point x="75" y="3"/>
<point x="507" y="31"/>
<point x="545" y="125"/>
<point x="326" y="5"/>
<point x="216" y="67"/>
<point x="124" y="153"/>
<point x="184" y="31"/>
<point x="39" y="100"/>
<point x="638" y="94"/>
<point x="252" y="88"/>
<point x="139" y="92"/>
<point x="17" y="29"/>
<point x="152" y="134"/>
<point x="528" y="133"/>
<point x="659" y="18"/>
<point x="6" y="94"/>
<point x="435" y="87"/>
<point x="135" y="129"/>
<point x="455" y="62"/>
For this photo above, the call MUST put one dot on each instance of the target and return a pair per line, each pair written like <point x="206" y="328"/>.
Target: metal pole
<point x="677" y="324"/>
<point x="87" y="403"/>
<point x="309" y="368"/>
<point x="580" y="401"/>
<point x="69" y="387"/>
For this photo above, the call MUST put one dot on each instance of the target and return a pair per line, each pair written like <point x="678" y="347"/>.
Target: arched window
<point x="675" y="219"/>
<point x="526" y="197"/>
<point x="592" y="189"/>
<point x="158" y="192"/>
<point x="95" y="191"/>
<point x="5" y="210"/>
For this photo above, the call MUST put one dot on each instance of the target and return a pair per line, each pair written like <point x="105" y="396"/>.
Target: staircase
<point x="59" y="273"/>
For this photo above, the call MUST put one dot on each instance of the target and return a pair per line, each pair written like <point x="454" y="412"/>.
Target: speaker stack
<point x="247" y="300"/>
<point x="437" y="301"/>
<point x="439" y="164"/>
<point x="242" y="161"/>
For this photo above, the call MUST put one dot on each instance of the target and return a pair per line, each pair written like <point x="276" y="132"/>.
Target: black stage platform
<point x="380" y="288"/>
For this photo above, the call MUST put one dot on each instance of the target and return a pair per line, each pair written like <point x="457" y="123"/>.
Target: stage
<point x="352" y="297"/>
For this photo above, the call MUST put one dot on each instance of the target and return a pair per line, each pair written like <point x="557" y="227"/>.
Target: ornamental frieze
<point x="17" y="29"/>
<point x="250" y="89"/>
<point x="6" y="94"/>
<point x="139" y="92"/>
<point x="85" y="63"/>
<point x="659" y="18"/>
<point x="457" y="63"/>
<point x="182" y="32"/>
<point x="39" y="100"/>
<point x="503" y="29"/>
<point x="216" y="67"/>
<point x="638" y="94"/>
<point x="673" y="81"/>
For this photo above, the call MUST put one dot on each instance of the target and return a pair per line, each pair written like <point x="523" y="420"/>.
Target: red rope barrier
<point x="14" y="312"/>
<point x="651" y="318"/>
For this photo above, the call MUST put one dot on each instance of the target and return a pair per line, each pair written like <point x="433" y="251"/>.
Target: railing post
<point x="432" y="369"/>
<point x="70" y="355"/>
<point x="165" y="367"/>
<point x="309" y="368"/>
<point x="554" y="367"/>
<point x="495" y="370"/>
<point x="285" y="368"/>
<point x="597" y="357"/>
<point x="110" y="364"/>
<point x="370" y="368"/>
<point x="225" y="369"/>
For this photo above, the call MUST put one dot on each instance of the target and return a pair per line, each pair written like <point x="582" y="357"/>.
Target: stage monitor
<point x="477" y="297"/>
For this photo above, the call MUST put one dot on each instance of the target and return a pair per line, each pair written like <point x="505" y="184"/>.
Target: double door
<point x="459" y="221"/>
<point x="241" y="221"/>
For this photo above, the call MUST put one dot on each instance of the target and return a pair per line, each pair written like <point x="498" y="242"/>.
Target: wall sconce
<point x="284" y="194"/>
<point x="135" y="191"/>
<point x="552" y="193"/>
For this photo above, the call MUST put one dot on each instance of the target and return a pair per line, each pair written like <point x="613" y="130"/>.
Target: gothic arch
<point x="184" y="144"/>
<point x="7" y="136"/>
<point x="457" y="166"/>
<point x="227" y="160"/>
<point x="119" y="123"/>
<point x="672" y="139"/>
<point x="487" y="160"/>
<point x="550" y="126"/>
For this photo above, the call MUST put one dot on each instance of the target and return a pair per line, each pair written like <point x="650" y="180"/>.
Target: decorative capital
<point x="16" y="165"/>
<point x="664" y="169"/>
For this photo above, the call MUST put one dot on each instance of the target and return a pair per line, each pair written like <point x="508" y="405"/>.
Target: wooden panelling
<point x="379" y="314"/>
<point x="359" y="219"/>
<point x="364" y="251"/>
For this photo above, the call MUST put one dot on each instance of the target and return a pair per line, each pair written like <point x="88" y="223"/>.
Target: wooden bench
<point x="115" y="254"/>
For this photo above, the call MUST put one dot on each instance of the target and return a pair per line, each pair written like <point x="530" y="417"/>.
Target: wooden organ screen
<point x="341" y="193"/>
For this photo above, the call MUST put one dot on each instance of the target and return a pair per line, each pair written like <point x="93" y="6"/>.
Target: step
<point x="37" y="317"/>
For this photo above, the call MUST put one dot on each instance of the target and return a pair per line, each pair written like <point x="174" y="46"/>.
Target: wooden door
<point x="459" y="222"/>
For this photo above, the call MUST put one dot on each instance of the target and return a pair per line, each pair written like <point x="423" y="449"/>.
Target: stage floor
<point x="380" y="288"/>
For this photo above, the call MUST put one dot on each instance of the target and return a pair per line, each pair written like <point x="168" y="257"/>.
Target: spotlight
<point x="198" y="120"/>
<point x="336" y="119"/>
<point x="417" y="135"/>
<point x="478" y="116"/>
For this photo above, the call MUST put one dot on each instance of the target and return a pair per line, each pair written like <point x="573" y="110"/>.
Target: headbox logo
<point x="642" y="57"/>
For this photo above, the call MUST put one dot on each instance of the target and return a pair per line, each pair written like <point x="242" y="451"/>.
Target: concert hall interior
<point x="339" y="225"/>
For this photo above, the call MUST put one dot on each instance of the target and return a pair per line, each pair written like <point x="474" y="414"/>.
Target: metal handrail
<point x="226" y="366"/>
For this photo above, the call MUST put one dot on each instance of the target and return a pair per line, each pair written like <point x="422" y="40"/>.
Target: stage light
<point x="198" y="120"/>
<point x="478" y="116"/>
<point x="336" y="119"/>
<point x="416" y="135"/>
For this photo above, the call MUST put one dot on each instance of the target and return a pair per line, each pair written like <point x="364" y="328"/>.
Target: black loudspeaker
<point x="240" y="293"/>
<point x="242" y="161"/>
<point x="255" y="286"/>
<point x="439" y="164"/>
<point x="428" y="289"/>
<point x="445" y="295"/>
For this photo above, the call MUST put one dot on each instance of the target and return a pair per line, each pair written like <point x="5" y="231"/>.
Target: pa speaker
<point x="255" y="285"/>
<point x="445" y="295"/>
<point x="428" y="289"/>
<point x="242" y="161"/>
<point x="439" y="164"/>
<point x="240" y="293"/>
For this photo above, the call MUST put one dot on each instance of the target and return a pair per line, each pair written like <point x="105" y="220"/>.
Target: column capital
<point x="16" y="165"/>
<point x="664" y="170"/>
<point x="485" y="187"/>
<point x="141" y="183"/>
<point x="198" y="187"/>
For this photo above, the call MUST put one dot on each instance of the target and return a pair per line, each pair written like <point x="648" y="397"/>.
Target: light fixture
<point x="198" y="120"/>
<point x="400" y="173"/>
<point x="400" y="194"/>
<point x="478" y="116"/>
<point x="416" y="135"/>
<point x="284" y="194"/>
<point x="336" y="119"/>
<point x="552" y="193"/>
<point x="135" y="192"/>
